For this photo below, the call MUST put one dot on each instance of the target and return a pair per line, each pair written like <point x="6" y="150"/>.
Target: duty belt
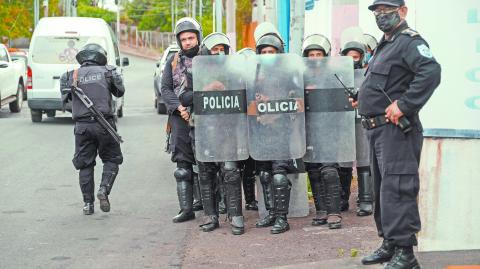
<point x="92" y="118"/>
<point x="374" y="122"/>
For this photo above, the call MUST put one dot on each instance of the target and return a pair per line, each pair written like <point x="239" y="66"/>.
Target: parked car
<point x="21" y="55"/>
<point x="54" y="45"/>
<point x="13" y="75"/>
<point x="157" y="77"/>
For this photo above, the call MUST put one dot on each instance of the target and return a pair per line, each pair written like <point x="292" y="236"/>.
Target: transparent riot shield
<point x="219" y="102"/>
<point x="276" y="117"/>
<point x="363" y="148"/>
<point x="330" y="119"/>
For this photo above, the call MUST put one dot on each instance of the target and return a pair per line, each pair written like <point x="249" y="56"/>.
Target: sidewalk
<point x="141" y="52"/>
<point x="303" y="247"/>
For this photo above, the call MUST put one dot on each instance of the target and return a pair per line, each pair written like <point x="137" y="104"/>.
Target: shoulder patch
<point x="424" y="51"/>
<point x="410" y="32"/>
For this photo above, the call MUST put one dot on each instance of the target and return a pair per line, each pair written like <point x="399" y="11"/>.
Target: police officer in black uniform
<point x="217" y="44"/>
<point x="404" y="69"/>
<point x="358" y="51"/>
<point x="273" y="174"/>
<point x="177" y="74"/>
<point x="99" y="82"/>
<point x="324" y="177"/>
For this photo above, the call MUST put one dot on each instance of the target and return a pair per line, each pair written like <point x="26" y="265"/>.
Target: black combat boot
<point x="88" y="209"/>
<point x="381" y="255"/>
<point x="249" y="192"/>
<point x="103" y="198"/>
<point x="319" y="198"/>
<point x="110" y="171"/>
<point x="233" y="193"/>
<point x="365" y="192"/>
<point x="197" y="199"/>
<point x="345" y="174"/>
<point x="281" y="190"/>
<point x="207" y="179"/>
<point x="222" y="208"/>
<point x="403" y="259"/>
<point x="88" y="199"/>
<point x="267" y="187"/>
<point x="329" y="176"/>
<point x="185" y="195"/>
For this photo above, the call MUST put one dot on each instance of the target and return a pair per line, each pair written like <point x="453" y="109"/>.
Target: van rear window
<point x="61" y="49"/>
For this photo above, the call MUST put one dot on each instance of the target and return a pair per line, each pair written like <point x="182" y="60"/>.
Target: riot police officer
<point x="324" y="179"/>
<point x="99" y="82"/>
<point x="177" y="75"/>
<point x="358" y="52"/>
<point x="217" y="44"/>
<point x="273" y="174"/>
<point x="401" y="77"/>
<point x="248" y="166"/>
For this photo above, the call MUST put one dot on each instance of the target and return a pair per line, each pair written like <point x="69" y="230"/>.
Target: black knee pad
<point x="281" y="180"/>
<point x="330" y="174"/>
<point x="231" y="172"/>
<point x="265" y="177"/>
<point x="182" y="174"/>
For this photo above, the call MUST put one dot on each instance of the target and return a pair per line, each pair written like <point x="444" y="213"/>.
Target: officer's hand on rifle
<point x="353" y="102"/>
<point x="393" y="113"/>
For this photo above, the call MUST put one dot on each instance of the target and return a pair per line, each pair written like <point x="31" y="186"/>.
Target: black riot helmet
<point x="188" y="24"/>
<point x="213" y="40"/>
<point x="316" y="42"/>
<point x="93" y="53"/>
<point x="270" y="40"/>
<point x="357" y="46"/>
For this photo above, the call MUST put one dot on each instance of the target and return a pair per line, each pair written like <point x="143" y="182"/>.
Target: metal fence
<point x="132" y="37"/>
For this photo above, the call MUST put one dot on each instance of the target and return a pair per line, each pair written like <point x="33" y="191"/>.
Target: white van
<point x="55" y="43"/>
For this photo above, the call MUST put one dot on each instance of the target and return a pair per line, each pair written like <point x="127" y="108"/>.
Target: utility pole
<point x="200" y="10"/>
<point x="230" y="10"/>
<point x="218" y="16"/>
<point x="73" y="6"/>
<point x="36" y="10"/>
<point x="172" y="15"/>
<point x="297" y="26"/>
<point x="194" y="9"/>
<point x="45" y="8"/>
<point x="118" y="19"/>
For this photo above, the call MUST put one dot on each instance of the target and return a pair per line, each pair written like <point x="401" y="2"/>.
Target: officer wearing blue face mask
<point x="400" y="79"/>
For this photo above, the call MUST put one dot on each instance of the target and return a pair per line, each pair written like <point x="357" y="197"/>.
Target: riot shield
<point x="219" y="104"/>
<point x="276" y="118"/>
<point x="363" y="148"/>
<point x="330" y="119"/>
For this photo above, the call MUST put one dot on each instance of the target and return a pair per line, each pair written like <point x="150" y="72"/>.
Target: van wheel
<point x="120" y="112"/>
<point x="16" y="106"/>
<point x="36" y="115"/>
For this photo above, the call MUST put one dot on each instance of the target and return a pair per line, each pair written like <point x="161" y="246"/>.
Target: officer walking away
<point x="177" y="75"/>
<point x="99" y="82"/>
<point x="401" y="77"/>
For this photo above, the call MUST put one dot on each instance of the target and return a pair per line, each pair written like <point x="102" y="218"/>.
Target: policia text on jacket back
<point x="99" y="82"/>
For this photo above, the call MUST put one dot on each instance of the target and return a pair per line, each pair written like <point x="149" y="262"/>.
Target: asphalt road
<point x="41" y="220"/>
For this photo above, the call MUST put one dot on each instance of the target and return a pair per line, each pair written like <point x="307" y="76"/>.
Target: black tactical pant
<point x="91" y="138"/>
<point x="180" y="140"/>
<point x="395" y="158"/>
